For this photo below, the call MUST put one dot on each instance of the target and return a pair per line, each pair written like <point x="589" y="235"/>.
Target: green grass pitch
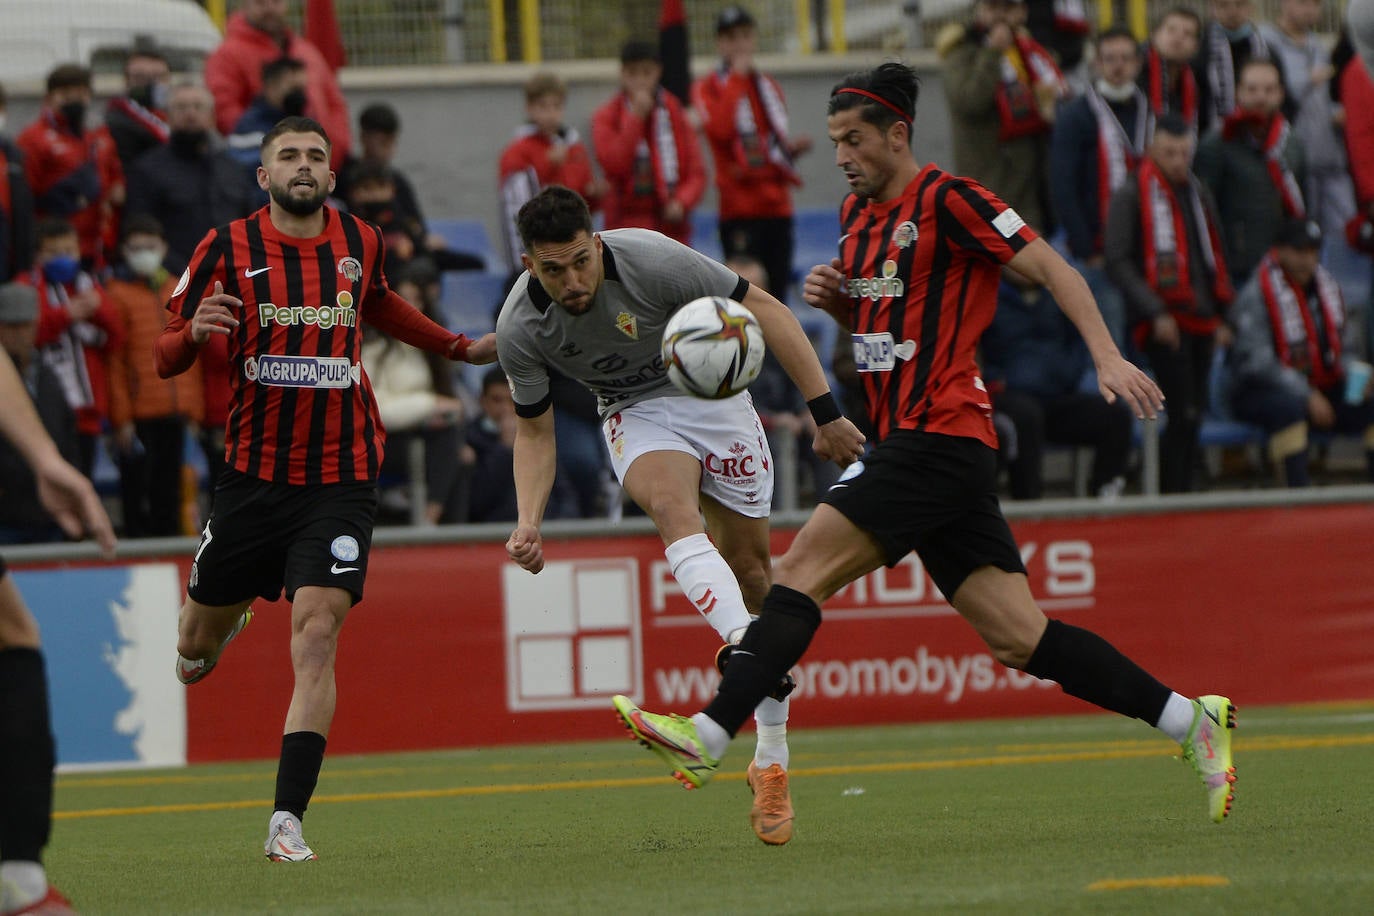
<point x="1084" y="814"/>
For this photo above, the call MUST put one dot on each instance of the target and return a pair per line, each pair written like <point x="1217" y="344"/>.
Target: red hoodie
<point x="233" y="74"/>
<point x="77" y="352"/>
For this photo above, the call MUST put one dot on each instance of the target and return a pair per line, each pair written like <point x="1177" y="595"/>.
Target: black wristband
<point x="824" y="409"/>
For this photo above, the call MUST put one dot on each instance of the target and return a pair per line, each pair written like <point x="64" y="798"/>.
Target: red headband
<point x="880" y="100"/>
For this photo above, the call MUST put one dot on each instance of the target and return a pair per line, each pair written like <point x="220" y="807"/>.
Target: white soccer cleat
<point x="287" y="845"/>
<point x="191" y="670"/>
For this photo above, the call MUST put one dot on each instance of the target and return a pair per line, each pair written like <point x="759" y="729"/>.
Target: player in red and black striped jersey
<point x="290" y="287"/>
<point x="916" y="284"/>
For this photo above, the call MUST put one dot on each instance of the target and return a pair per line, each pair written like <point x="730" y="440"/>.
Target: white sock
<point x="770" y="721"/>
<point x="22" y="883"/>
<point x="711" y="734"/>
<point x="1177" y="717"/>
<point x="708" y="583"/>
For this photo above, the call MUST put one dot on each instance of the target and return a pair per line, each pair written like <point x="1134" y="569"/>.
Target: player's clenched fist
<point x="526" y="547"/>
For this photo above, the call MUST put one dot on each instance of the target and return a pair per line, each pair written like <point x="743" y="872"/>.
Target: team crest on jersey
<point x="345" y="299"/>
<point x="628" y="325"/>
<point x="905" y="235"/>
<point x="351" y="268"/>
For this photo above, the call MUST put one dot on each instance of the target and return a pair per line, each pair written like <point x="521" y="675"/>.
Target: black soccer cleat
<point x="779" y="693"/>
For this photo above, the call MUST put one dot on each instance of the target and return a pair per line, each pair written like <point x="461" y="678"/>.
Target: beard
<point x="297" y="206"/>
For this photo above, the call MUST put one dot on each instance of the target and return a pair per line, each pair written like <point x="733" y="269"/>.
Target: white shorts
<point x="725" y="436"/>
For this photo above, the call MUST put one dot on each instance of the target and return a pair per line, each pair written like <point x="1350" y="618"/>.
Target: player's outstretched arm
<point x="482" y="350"/>
<point x="1116" y="376"/>
<point x="837" y="439"/>
<point x="64" y="491"/>
<point x="536" y="463"/>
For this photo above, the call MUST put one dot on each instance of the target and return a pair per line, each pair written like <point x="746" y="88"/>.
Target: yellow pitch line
<point x="909" y="766"/>
<point x="1164" y="881"/>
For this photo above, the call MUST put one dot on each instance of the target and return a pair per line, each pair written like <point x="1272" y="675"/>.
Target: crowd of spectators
<point x="1213" y="184"/>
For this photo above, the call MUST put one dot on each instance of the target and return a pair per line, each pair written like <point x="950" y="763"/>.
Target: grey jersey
<point x="612" y="349"/>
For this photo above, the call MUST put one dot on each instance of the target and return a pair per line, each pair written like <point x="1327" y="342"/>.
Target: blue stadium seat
<point x="469" y="236"/>
<point x="469" y="299"/>
<point x="706" y="234"/>
<point x="817" y="238"/>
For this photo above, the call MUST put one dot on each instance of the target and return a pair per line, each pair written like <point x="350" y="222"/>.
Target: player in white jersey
<point x="593" y="306"/>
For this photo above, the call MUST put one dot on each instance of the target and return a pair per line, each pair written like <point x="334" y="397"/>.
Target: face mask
<point x="293" y="103"/>
<point x="187" y="142"/>
<point x="61" y="269"/>
<point x="373" y="212"/>
<point x="142" y="95"/>
<point x="75" y="115"/>
<point x="145" y="262"/>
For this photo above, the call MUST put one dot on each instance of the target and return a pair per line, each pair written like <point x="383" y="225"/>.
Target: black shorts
<point x="933" y="494"/>
<point x="264" y="536"/>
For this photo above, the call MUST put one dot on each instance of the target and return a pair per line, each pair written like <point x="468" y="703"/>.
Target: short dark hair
<point x="636" y="52"/>
<point x="543" y="83"/>
<point x="1172" y="124"/>
<point x="1260" y="62"/>
<point x="294" y="125"/>
<point x="68" y="76"/>
<point x="147" y="52"/>
<point x="52" y="227"/>
<point x="278" y="67"/>
<point x="379" y="118"/>
<point x="896" y="87"/>
<point x="1182" y="11"/>
<point x="141" y="224"/>
<point x="1113" y="34"/>
<point x="493" y="377"/>
<point x="555" y="214"/>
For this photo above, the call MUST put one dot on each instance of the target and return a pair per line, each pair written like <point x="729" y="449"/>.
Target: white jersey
<point x="614" y="347"/>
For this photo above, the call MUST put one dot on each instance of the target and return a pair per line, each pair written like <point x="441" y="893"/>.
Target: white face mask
<point x="144" y="262"/>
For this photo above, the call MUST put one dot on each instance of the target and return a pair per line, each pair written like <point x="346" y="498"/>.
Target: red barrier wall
<point x="454" y="646"/>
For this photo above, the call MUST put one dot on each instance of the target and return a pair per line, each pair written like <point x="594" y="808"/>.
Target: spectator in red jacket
<point x="648" y="150"/>
<point x="16" y="206"/>
<point x="77" y="329"/>
<point x="544" y="151"/>
<point x="74" y="172"/>
<point x="256" y="34"/>
<point x="745" y="120"/>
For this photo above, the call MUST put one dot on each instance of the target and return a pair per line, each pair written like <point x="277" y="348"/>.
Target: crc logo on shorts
<point x="325" y="316"/>
<point x="302" y="371"/>
<point x="879" y="353"/>
<point x="740" y="466"/>
<point x="875" y="288"/>
<point x="345" y="547"/>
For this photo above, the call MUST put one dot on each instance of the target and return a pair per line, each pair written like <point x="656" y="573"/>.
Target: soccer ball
<point x="713" y="348"/>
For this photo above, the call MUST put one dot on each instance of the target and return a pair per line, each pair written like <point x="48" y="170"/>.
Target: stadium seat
<point x="706" y="234"/>
<point x="817" y="239"/>
<point x="470" y="299"/>
<point x="469" y="236"/>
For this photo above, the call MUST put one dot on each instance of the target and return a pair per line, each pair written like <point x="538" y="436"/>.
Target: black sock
<point x="302" y="755"/>
<point x="27" y="755"/>
<point x="1090" y="668"/>
<point x="771" y="646"/>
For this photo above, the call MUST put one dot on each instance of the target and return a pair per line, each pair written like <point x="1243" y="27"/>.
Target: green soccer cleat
<point x="1208" y="749"/>
<point x="671" y="737"/>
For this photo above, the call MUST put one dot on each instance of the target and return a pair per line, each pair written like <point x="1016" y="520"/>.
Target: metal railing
<point x="385" y="33"/>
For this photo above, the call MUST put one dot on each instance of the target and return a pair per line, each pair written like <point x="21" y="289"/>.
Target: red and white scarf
<point x="1118" y="152"/>
<point x="1018" y="106"/>
<point x="761" y="127"/>
<point x="659" y="151"/>
<point x="1296" y="341"/>
<point x="1165" y="240"/>
<point x="1221" y="66"/>
<point x="1155" y="69"/>
<point x="1072" y="17"/>
<point x="149" y="120"/>
<point x="1276" y="134"/>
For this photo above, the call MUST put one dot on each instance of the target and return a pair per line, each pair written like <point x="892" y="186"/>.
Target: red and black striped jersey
<point x="923" y="270"/>
<point x="301" y="409"/>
